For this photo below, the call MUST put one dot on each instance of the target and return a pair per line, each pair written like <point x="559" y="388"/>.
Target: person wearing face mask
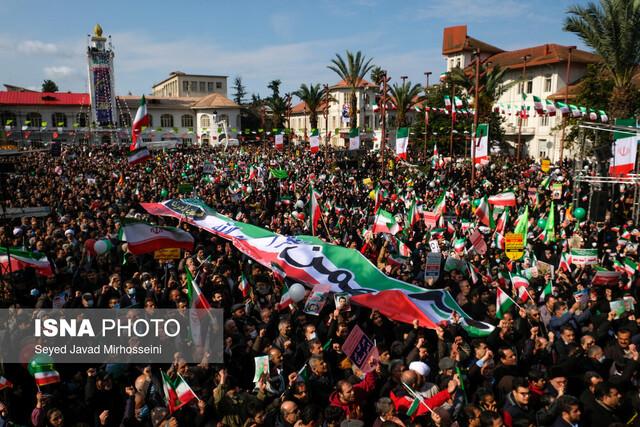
<point x="136" y="410"/>
<point x="597" y="361"/>
<point x="131" y="295"/>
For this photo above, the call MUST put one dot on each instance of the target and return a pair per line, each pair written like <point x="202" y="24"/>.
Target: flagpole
<point x="417" y="396"/>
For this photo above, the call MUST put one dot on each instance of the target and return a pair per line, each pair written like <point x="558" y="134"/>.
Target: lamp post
<point x="404" y="78"/>
<point x="566" y="100"/>
<point x="325" y="113"/>
<point x="524" y="72"/>
<point x="426" y="115"/>
<point x="453" y="106"/>
<point x="383" y="111"/>
<point x="475" y="120"/>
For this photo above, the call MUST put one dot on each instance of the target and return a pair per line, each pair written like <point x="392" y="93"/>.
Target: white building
<point x="339" y="94"/>
<point x="544" y="77"/>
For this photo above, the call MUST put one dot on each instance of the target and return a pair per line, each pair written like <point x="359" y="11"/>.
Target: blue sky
<point x="258" y="40"/>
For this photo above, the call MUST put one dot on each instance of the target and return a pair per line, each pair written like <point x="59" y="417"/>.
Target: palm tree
<point x="612" y="30"/>
<point x="404" y="97"/>
<point x="352" y="72"/>
<point x="490" y="86"/>
<point x="312" y="96"/>
<point x="377" y="74"/>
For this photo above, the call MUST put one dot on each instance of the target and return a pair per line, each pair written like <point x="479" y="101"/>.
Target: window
<point x="194" y="86"/>
<point x="224" y="118"/>
<point x="529" y="86"/>
<point x="202" y="85"/>
<point x="520" y="85"/>
<point x="544" y="120"/>
<point x="187" y="141"/>
<point x="547" y="84"/>
<point x="185" y="86"/>
<point x="83" y="119"/>
<point x="166" y="121"/>
<point x="34" y="119"/>
<point x="205" y="122"/>
<point x="8" y="119"/>
<point x="150" y="121"/>
<point x="218" y="85"/>
<point x="458" y="63"/>
<point x="238" y="121"/>
<point x="187" y="121"/>
<point x="210" y="87"/>
<point x="59" y="120"/>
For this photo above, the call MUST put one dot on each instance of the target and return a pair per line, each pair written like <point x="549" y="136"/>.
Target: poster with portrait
<point x="342" y="301"/>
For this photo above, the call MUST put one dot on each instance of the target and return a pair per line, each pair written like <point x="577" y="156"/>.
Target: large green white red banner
<point x="311" y="261"/>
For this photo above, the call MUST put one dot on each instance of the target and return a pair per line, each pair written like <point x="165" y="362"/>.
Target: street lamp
<point x="404" y="78"/>
<point x="522" y="110"/>
<point x="566" y="100"/>
<point x="426" y="115"/>
<point x="475" y="120"/>
<point x="383" y="111"/>
<point x="325" y="113"/>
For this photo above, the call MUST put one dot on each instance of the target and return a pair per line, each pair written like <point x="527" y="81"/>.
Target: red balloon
<point x="301" y="216"/>
<point x="394" y="197"/>
<point x="89" y="246"/>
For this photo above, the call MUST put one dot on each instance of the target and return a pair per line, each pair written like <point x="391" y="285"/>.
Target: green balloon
<point x="542" y="223"/>
<point x="477" y="202"/>
<point x="580" y="213"/>
<point x="38" y="362"/>
<point x="184" y="175"/>
<point x="164" y="192"/>
<point x="147" y="170"/>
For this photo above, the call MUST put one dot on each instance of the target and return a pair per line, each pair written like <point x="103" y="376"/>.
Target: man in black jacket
<point x="607" y="401"/>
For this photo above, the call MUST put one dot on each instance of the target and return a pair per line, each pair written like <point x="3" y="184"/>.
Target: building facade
<point x="539" y="71"/>
<point x="182" y="85"/>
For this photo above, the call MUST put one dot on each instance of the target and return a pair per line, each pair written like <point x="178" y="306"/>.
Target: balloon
<point x="89" y="245"/>
<point x="294" y="213"/>
<point x="559" y="178"/>
<point x="476" y="202"/>
<point x="301" y="216"/>
<point x="164" y="192"/>
<point x="296" y="292"/>
<point x="299" y="204"/>
<point x="394" y="197"/>
<point x="432" y="184"/>
<point x="38" y="361"/>
<point x="580" y="214"/>
<point x="372" y="195"/>
<point x="102" y="247"/>
<point x="542" y="223"/>
<point x="147" y="170"/>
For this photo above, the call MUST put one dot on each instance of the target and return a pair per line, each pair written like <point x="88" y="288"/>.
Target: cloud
<point x="471" y="10"/>
<point x="36" y="47"/>
<point x="281" y="24"/>
<point x="61" y="71"/>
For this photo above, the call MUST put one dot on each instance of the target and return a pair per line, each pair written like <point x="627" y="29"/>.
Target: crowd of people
<point x="552" y="360"/>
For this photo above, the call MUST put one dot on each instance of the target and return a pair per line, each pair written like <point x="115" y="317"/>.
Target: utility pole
<point x="522" y="109"/>
<point x="383" y="110"/>
<point x="426" y="115"/>
<point x="566" y="100"/>
<point x="475" y="121"/>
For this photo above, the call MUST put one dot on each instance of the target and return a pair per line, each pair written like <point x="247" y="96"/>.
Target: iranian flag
<point x="565" y="262"/>
<point x="378" y="198"/>
<point x="403" y="249"/>
<point x="143" y="238"/>
<point x="501" y="225"/>
<point x="43" y="373"/>
<point x="413" y="216"/>
<point x="575" y="111"/>
<point x="481" y="142"/>
<point x="537" y="105"/>
<point x="15" y="260"/>
<point x="564" y="108"/>
<point x="503" y="199"/>
<point x="520" y="284"/>
<point x="548" y="290"/>
<point x="244" y="286"/>
<point x="498" y="241"/>
<point x="253" y="172"/>
<point x="503" y="303"/>
<point x="593" y="116"/>
<point x="458" y="102"/>
<point x="279" y="141"/>
<point x="625" y="149"/>
<point x="176" y="392"/>
<point x="402" y="142"/>
<point x="385" y="222"/>
<point x="605" y="277"/>
<point x="550" y="228"/>
<point x="197" y="299"/>
<point x="314" y="141"/>
<point x="354" y="139"/>
<point x="5" y="383"/>
<point x="551" y="108"/>
<point x="141" y="120"/>
<point x="603" y="116"/>
<point x="440" y="204"/>
<point x="138" y="156"/>
<point x="483" y="212"/>
<point x="630" y="266"/>
<point x="459" y="244"/>
<point x="316" y="212"/>
<point x="447" y="102"/>
<point x="618" y="266"/>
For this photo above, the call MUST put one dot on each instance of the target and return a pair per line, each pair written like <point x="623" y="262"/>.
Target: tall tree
<point x="612" y="29"/>
<point x="49" y="86"/>
<point x="352" y="71"/>
<point x="240" y="91"/>
<point x="312" y="96"/>
<point x="404" y="97"/>
<point x="377" y="74"/>
<point x="277" y="103"/>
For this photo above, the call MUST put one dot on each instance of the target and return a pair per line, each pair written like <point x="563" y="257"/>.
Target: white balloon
<point x="559" y="178"/>
<point x="299" y="204"/>
<point x="100" y="247"/>
<point x="294" y="213"/>
<point x="296" y="292"/>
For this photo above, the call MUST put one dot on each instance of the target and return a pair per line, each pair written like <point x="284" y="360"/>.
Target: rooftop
<point x="456" y="40"/>
<point x="545" y="54"/>
<point x="43" y="98"/>
<point x="174" y="74"/>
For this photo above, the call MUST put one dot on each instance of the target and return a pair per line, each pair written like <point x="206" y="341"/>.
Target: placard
<point x="478" y="242"/>
<point x="584" y="256"/>
<point x="208" y="168"/>
<point x="432" y="266"/>
<point x="317" y="299"/>
<point x="359" y="348"/>
<point x="167" y="254"/>
<point x="556" y="191"/>
<point x="430" y="219"/>
<point x="434" y="245"/>
<point x="514" y="246"/>
<point x="545" y="165"/>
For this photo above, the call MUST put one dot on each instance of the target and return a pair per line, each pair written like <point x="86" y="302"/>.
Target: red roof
<point x="456" y="40"/>
<point x="361" y="83"/>
<point x="299" y="108"/>
<point x="44" y="98"/>
<point x="542" y="55"/>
